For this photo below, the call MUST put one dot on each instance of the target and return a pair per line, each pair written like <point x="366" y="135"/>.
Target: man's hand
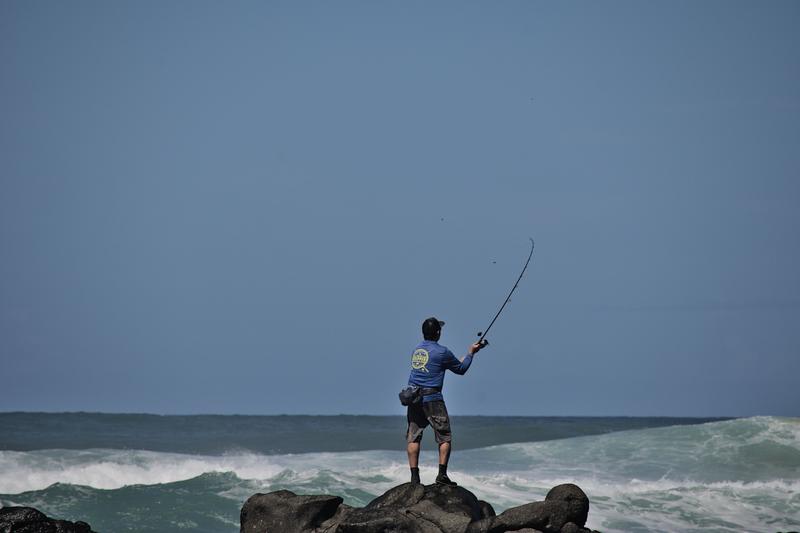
<point x="475" y="348"/>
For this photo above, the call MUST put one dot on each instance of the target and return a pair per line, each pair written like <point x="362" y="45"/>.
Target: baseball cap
<point x="431" y="326"/>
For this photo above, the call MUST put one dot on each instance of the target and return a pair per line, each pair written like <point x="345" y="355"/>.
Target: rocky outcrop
<point x="29" y="520"/>
<point x="414" y="508"/>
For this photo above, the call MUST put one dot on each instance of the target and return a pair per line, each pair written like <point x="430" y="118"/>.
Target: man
<point x="429" y="362"/>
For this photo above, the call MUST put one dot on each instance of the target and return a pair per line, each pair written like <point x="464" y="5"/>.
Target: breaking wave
<point x="733" y="475"/>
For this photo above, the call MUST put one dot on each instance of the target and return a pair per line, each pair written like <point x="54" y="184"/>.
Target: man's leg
<point x="444" y="458"/>
<point x="416" y="423"/>
<point x="440" y="421"/>
<point x="413" y="454"/>
<point x="444" y="453"/>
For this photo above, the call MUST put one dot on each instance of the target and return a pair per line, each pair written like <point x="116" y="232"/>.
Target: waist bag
<point x="413" y="395"/>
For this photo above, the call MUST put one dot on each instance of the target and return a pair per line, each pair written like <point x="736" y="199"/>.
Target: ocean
<point x="150" y="473"/>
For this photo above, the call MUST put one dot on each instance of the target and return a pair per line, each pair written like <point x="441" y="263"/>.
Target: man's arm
<point x="460" y="366"/>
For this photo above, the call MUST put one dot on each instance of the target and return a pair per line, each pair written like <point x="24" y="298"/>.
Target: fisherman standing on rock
<point x="429" y="362"/>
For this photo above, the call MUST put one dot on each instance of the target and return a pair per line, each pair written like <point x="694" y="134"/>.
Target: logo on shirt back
<point x="419" y="359"/>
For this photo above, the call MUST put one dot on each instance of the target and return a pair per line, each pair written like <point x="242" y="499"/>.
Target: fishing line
<point x="483" y="334"/>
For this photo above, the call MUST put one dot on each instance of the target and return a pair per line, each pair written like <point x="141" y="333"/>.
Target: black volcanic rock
<point x="29" y="520"/>
<point x="364" y="520"/>
<point x="403" y="495"/>
<point x="451" y="509"/>
<point x="286" y="512"/>
<point x="414" y="508"/>
<point x="576" y="500"/>
<point x="487" y="511"/>
<point x="564" y="511"/>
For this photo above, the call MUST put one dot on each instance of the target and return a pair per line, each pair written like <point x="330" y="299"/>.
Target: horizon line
<point x="140" y="413"/>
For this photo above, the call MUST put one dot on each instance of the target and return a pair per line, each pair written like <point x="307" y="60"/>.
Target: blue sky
<point x="250" y="207"/>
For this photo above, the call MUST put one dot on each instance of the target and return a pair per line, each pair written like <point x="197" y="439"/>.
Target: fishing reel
<point x="483" y="342"/>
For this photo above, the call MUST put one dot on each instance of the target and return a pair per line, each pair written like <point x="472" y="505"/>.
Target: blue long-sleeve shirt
<point x="429" y="361"/>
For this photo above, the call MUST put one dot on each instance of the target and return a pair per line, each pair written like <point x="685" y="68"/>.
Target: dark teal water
<point x="215" y="434"/>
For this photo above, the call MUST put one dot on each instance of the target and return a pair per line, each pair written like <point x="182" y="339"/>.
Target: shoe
<point x="442" y="479"/>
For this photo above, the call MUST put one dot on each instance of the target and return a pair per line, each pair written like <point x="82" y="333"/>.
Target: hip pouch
<point x="412" y="395"/>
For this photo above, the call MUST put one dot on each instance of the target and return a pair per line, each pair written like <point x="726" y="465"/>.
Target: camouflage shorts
<point x="422" y="415"/>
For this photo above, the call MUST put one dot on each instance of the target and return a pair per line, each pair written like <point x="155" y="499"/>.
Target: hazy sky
<point x="250" y="207"/>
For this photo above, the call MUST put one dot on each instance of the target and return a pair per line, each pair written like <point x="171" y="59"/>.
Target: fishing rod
<point x="482" y="334"/>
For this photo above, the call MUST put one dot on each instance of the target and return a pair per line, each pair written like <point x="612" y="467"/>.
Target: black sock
<point x="442" y="470"/>
<point x="415" y="475"/>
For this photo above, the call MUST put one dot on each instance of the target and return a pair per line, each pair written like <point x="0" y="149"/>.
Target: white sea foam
<point x="111" y="469"/>
<point x="723" y="476"/>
